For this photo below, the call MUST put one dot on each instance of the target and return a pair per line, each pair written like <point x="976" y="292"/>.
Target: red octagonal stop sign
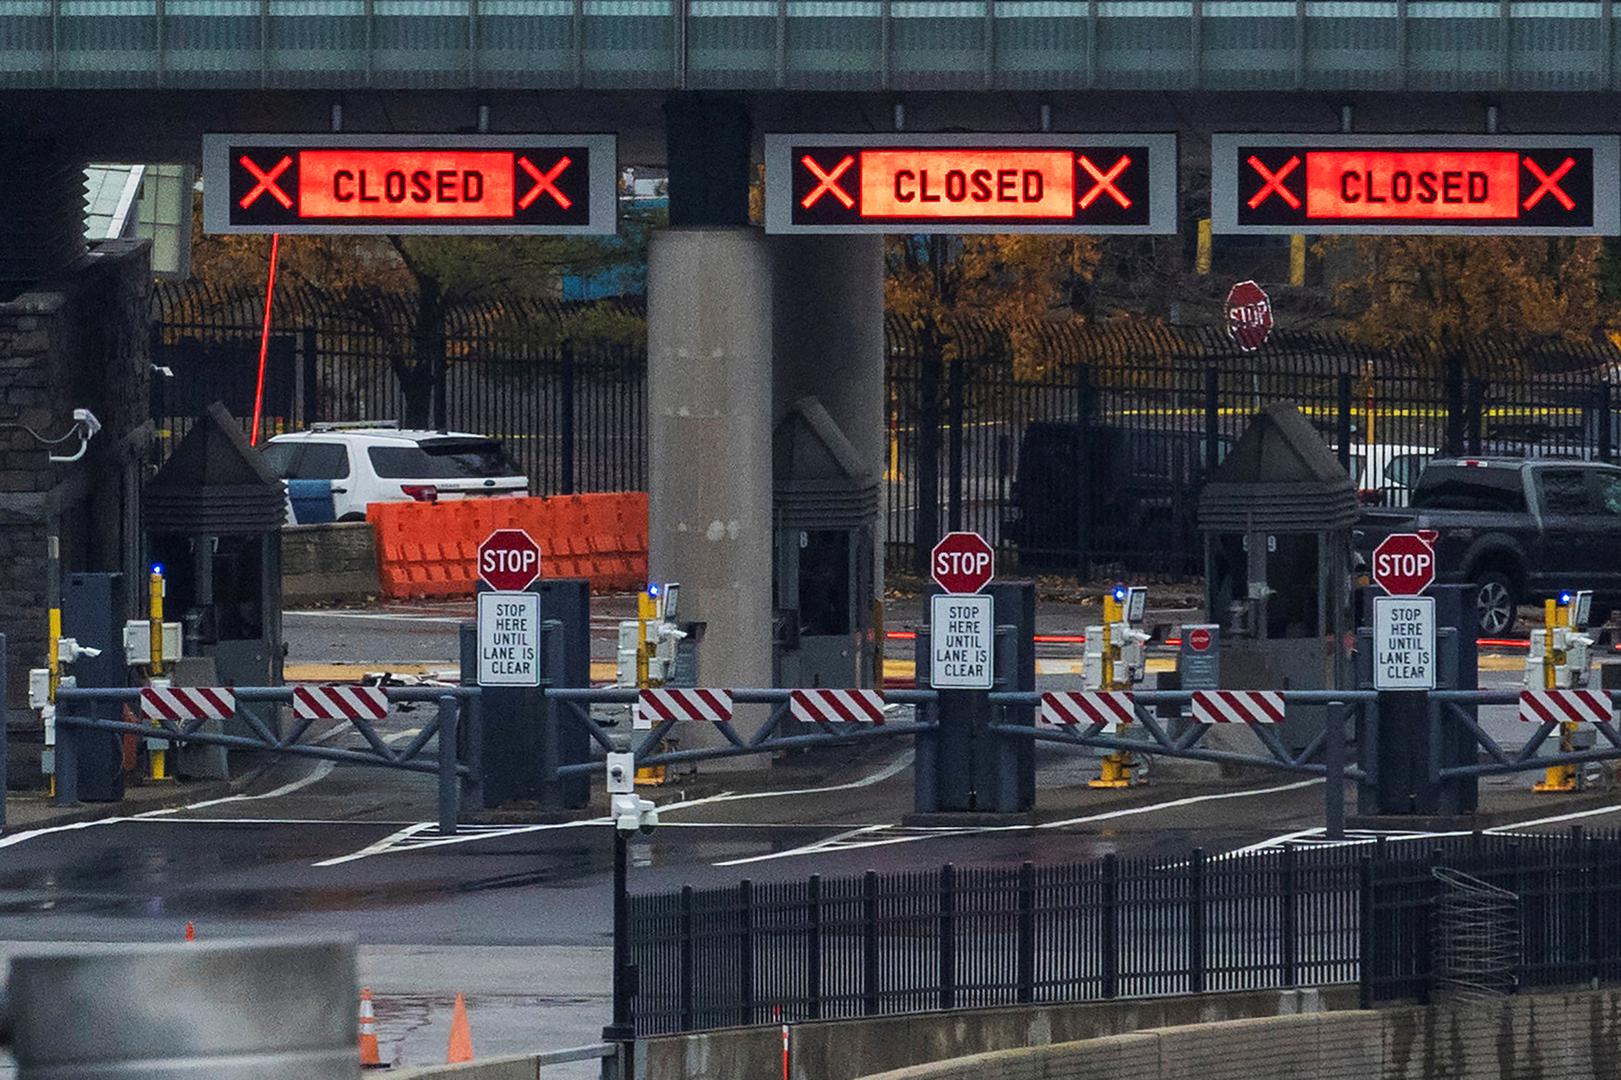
<point x="962" y="562"/>
<point x="508" y="560"/>
<point x="1249" y="315"/>
<point x="1403" y="564"/>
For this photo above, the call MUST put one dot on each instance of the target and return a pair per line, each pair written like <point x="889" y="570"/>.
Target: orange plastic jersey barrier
<point x="430" y="549"/>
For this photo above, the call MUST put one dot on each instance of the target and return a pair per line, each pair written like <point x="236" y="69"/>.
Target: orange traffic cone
<point x="461" y="1035"/>
<point x="191" y="932"/>
<point x="370" y="1057"/>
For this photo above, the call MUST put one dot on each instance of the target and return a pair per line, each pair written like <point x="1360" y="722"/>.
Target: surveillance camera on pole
<point x="630" y="812"/>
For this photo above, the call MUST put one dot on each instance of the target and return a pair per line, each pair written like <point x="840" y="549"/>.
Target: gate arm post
<point x="67" y="763"/>
<point x="449" y="778"/>
<point x="1334" y="769"/>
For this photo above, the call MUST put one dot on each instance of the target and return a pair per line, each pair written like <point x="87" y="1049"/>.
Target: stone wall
<point x="80" y="340"/>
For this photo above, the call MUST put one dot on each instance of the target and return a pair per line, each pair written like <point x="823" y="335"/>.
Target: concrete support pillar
<point x="709" y="432"/>
<point x="828" y="316"/>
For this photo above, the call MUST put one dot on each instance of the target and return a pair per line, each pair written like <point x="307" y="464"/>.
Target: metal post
<point x="1212" y="418"/>
<point x="687" y="1018"/>
<point x="1605" y="450"/>
<point x="449" y="780"/>
<point x="926" y="462"/>
<point x="1025" y="964"/>
<point x="813" y="948"/>
<point x="311" y="375"/>
<point x="869" y="944"/>
<point x="954" y="406"/>
<point x="1334" y="767"/>
<point x="1342" y="425"/>
<point x="67" y="764"/>
<point x="565" y="425"/>
<point x="1365" y="938"/>
<point x="1196" y="955"/>
<point x="1107" y="910"/>
<point x="623" y="1030"/>
<point x="745" y="977"/>
<point x="1288" y="925"/>
<point x="5" y="716"/>
<point x="948" y="936"/>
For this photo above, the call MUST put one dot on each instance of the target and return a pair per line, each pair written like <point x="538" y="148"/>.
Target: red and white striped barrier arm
<point x="1111" y="708"/>
<point x="179" y="704"/>
<point x="1565" y="706"/>
<point x="339" y="702"/>
<point x="655" y="707"/>
<point x="1238" y="707"/>
<point x="837" y="706"/>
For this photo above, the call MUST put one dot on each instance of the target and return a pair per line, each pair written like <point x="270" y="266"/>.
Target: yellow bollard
<point x="1556" y="779"/>
<point x="157" y="754"/>
<point x="647" y="611"/>
<point x="1116" y="768"/>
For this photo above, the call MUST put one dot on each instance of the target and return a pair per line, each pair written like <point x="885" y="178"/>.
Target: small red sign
<point x="1199" y="640"/>
<point x="962" y="562"/>
<point x="1403" y="564"/>
<point x="1249" y="315"/>
<point x="508" y="560"/>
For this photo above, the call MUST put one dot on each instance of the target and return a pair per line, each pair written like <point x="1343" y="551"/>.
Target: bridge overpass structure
<point x="766" y="350"/>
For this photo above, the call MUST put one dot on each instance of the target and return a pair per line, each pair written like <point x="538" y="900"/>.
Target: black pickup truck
<point x="1516" y="529"/>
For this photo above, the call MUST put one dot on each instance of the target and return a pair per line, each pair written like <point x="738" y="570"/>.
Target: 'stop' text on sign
<point x="962" y="562"/>
<point x="508" y="560"/>
<point x="1403" y="564"/>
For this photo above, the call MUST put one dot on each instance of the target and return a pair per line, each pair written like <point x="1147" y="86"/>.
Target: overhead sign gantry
<point x="460" y="184"/>
<point x="1466" y="185"/>
<point x="900" y="183"/>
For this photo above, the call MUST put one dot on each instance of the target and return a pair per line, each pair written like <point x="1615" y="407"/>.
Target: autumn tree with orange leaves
<point x="1439" y="286"/>
<point x="436" y="274"/>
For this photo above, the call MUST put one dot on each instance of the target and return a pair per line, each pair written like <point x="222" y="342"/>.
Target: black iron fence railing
<point x="913" y="941"/>
<point x="1073" y="448"/>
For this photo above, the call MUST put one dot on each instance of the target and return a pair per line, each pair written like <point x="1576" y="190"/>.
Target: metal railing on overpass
<point x="853" y="45"/>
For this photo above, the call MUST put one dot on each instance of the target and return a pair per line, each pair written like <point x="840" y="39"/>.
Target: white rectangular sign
<point x="508" y="639"/>
<point x="1404" y="643"/>
<point x="962" y="636"/>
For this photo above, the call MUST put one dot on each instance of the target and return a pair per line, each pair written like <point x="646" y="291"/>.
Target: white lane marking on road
<point x="892" y="769"/>
<point x="321" y="771"/>
<point x="885" y="836"/>
<point x="1317" y="837"/>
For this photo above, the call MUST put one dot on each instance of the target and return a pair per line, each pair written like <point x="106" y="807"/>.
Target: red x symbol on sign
<point x="1549" y="184"/>
<point x="828" y="182"/>
<point x="1105" y="182"/>
<point x="544" y="182"/>
<point x="266" y="182"/>
<point x="1274" y="182"/>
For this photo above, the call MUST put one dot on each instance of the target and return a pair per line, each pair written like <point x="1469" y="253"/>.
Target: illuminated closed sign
<point x="1457" y="184"/>
<point x="409" y="184"/>
<point x="970" y="183"/>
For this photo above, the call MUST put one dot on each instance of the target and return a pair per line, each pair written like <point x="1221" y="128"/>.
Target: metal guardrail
<point x="71" y="723"/>
<point x="1451" y="707"/>
<point x="575" y="705"/>
<point x="1323" y="756"/>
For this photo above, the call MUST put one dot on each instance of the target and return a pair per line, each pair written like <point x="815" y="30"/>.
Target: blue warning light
<point x="1565" y="598"/>
<point x="1120" y="593"/>
<point x="652" y="590"/>
<point x="157" y="568"/>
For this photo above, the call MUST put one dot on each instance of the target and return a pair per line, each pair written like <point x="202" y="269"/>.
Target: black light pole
<point x="622" y="1031"/>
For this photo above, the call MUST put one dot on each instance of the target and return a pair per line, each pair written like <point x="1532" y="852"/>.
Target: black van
<point x="1140" y="488"/>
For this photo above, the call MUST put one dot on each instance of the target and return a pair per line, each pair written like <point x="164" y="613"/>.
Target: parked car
<point x="1142" y="485"/>
<point x="1384" y="473"/>
<point x="1515" y="529"/>
<point x="334" y="471"/>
